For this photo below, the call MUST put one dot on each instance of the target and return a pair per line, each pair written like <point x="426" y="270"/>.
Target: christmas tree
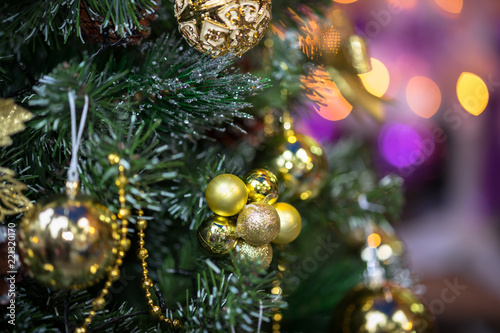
<point x="119" y="118"/>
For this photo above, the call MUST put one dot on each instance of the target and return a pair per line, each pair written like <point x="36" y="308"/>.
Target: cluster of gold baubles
<point x="247" y="217"/>
<point x="220" y="27"/>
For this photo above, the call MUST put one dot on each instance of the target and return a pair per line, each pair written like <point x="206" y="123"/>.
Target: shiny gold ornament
<point x="226" y="195"/>
<point x="262" y="185"/>
<point x="258" y="223"/>
<point x="300" y="164"/>
<point x="12" y="118"/>
<point x="246" y="251"/>
<point x="220" y="27"/>
<point x="217" y="235"/>
<point x="12" y="201"/>
<point x="290" y="223"/>
<point x="389" y="309"/>
<point x="69" y="243"/>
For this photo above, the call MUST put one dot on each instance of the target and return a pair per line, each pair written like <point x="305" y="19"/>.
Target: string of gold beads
<point x="123" y="244"/>
<point x="147" y="284"/>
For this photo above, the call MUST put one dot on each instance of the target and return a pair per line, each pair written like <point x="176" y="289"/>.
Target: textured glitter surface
<point x="246" y="251"/>
<point x="258" y="223"/>
<point x="12" y="118"/>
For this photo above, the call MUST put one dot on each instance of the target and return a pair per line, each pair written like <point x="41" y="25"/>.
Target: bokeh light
<point x="323" y="92"/>
<point x="405" y="4"/>
<point x="377" y="80"/>
<point x="345" y="1"/>
<point x="401" y="145"/>
<point x="451" y="6"/>
<point x="373" y="240"/>
<point x="423" y="96"/>
<point x="472" y="93"/>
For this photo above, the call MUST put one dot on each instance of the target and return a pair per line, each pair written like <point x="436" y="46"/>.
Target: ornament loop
<point x="76" y="138"/>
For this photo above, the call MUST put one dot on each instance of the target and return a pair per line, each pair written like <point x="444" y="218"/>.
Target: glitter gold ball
<point x="217" y="235"/>
<point x="226" y="195"/>
<point x="223" y="26"/>
<point x="290" y="223"/>
<point x="258" y="223"/>
<point x="300" y="164"/>
<point x="246" y="251"/>
<point x="68" y="243"/>
<point x="381" y="310"/>
<point x="262" y="186"/>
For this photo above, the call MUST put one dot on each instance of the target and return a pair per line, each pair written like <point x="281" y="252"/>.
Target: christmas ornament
<point x="220" y="27"/>
<point x="388" y="308"/>
<point x="12" y="201"/>
<point x="258" y="223"/>
<point x="262" y="186"/>
<point x="245" y="251"/>
<point x="217" y="235"/>
<point x="97" y="29"/>
<point x="226" y="195"/>
<point x="12" y="118"/>
<point x="68" y="242"/>
<point x="290" y="223"/>
<point x="300" y="164"/>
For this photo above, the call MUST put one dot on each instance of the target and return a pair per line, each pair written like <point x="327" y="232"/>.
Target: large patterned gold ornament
<point x="223" y="26"/>
<point x="246" y="251"/>
<point x="217" y="235"/>
<point x="69" y="243"/>
<point x="12" y="118"/>
<point x="388" y="309"/>
<point x="300" y="164"/>
<point x="290" y="223"/>
<point x="226" y="194"/>
<point x="262" y="185"/>
<point x="258" y="223"/>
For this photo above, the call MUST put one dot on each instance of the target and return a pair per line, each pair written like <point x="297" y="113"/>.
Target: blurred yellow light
<point x="345" y="1"/>
<point x="472" y="93"/>
<point x="373" y="240"/>
<point x="377" y="80"/>
<point x="323" y="92"/>
<point x="423" y="96"/>
<point x="292" y="139"/>
<point x="451" y="6"/>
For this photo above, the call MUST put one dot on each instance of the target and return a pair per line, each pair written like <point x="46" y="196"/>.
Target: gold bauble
<point x="68" y="243"/>
<point x="388" y="309"/>
<point x="217" y="235"/>
<point x="290" y="223"/>
<point x="246" y="251"/>
<point x="300" y="164"/>
<point x="223" y="26"/>
<point x="226" y="194"/>
<point x="262" y="185"/>
<point x="258" y="223"/>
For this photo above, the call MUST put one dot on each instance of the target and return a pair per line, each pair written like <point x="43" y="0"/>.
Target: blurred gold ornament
<point x="246" y="251"/>
<point x="300" y="164"/>
<point x="258" y="223"/>
<point x="217" y="235"/>
<point x="12" y="118"/>
<point x="12" y="201"/>
<point x="69" y="243"/>
<point x="388" y="309"/>
<point x="290" y="223"/>
<point x="262" y="186"/>
<point x="220" y="27"/>
<point x="226" y="194"/>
